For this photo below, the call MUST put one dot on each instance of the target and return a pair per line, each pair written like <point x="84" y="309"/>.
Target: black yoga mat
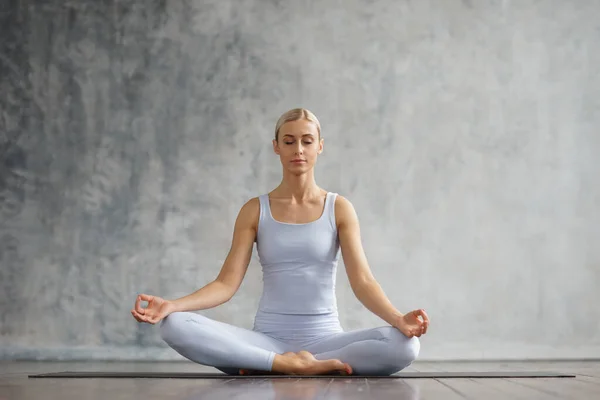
<point x="219" y="375"/>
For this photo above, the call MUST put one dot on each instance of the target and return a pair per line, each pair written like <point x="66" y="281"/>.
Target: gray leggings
<point x="377" y="351"/>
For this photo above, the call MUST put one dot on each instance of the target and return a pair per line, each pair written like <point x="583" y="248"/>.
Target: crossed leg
<point x="376" y="351"/>
<point x="231" y="349"/>
<point x="226" y="347"/>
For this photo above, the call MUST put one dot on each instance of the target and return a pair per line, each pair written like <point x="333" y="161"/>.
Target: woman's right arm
<point x="234" y="268"/>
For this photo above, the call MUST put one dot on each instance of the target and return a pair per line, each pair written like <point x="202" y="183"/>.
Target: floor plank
<point x="515" y="390"/>
<point x="559" y="387"/>
<point x="473" y="389"/>
<point x="432" y="389"/>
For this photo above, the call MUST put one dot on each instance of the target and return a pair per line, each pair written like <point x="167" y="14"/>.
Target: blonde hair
<point x="296" y="114"/>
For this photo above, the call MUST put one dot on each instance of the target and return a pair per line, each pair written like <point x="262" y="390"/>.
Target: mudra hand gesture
<point x="414" y="323"/>
<point x="157" y="309"/>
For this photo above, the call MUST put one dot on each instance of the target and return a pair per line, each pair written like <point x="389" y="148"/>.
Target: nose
<point x="298" y="149"/>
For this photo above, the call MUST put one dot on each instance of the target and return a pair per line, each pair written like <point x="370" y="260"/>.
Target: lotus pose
<point x="299" y="230"/>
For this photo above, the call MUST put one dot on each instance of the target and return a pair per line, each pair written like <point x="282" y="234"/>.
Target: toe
<point x="348" y="369"/>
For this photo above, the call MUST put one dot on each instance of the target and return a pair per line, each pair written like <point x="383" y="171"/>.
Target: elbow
<point x="227" y="289"/>
<point x="361" y="285"/>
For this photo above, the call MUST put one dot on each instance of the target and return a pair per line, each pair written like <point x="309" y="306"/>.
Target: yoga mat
<point x="219" y="375"/>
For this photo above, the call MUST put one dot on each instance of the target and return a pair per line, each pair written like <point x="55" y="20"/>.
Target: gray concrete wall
<point x="466" y="133"/>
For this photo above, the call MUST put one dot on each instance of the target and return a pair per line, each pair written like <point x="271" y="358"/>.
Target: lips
<point x="298" y="161"/>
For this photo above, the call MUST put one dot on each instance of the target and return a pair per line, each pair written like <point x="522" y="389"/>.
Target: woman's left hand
<point x="410" y="324"/>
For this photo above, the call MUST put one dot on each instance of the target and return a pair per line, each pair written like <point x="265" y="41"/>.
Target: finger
<point x="145" y="319"/>
<point x="417" y="315"/>
<point x="424" y="315"/>
<point x="136" y="316"/>
<point x="418" y="321"/>
<point x="140" y="317"/>
<point x="146" y="297"/>
<point x="138" y="306"/>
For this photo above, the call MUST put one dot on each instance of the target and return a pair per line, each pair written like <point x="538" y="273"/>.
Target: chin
<point x="299" y="171"/>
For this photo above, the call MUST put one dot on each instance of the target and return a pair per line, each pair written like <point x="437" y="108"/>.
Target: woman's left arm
<point x="363" y="283"/>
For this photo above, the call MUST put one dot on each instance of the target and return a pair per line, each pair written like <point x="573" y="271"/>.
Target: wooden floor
<point x="15" y="385"/>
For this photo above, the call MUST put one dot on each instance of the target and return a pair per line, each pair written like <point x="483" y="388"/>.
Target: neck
<point x="299" y="187"/>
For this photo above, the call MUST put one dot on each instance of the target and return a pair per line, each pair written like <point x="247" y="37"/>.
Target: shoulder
<point x="344" y="211"/>
<point x="250" y="212"/>
<point x="342" y="203"/>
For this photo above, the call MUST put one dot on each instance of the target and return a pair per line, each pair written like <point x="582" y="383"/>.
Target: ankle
<point x="287" y="364"/>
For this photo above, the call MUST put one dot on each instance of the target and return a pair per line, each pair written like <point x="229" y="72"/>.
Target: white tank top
<point x="299" y="262"/>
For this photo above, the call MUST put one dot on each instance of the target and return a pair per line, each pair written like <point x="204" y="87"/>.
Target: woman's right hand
<point x="157" y="309"/>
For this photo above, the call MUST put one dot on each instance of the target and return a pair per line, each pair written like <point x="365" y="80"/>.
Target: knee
<point x="172" y="326"/>
<point x="412" y="347"/>
<point x="402" y="350"/>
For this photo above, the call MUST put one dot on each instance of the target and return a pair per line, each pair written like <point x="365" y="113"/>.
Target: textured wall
<point x="464" y="132"/>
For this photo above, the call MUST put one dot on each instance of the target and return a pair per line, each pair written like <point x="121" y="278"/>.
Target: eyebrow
<point x="306" y="134"/>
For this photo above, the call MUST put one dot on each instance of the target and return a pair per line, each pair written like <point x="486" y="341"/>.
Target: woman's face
<point x="298" y="146"/>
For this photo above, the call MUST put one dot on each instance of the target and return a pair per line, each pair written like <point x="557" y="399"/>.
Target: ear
<point x="275" y="147"/>
<point x="320" y="146"/>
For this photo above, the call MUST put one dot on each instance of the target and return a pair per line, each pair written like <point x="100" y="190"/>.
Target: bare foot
<point x="304" y="363"/>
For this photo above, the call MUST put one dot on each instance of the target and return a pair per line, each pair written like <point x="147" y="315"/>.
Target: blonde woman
<point x="300" y="230"/>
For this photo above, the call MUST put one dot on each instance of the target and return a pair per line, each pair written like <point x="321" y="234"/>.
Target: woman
<point x="299" y="230"/>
